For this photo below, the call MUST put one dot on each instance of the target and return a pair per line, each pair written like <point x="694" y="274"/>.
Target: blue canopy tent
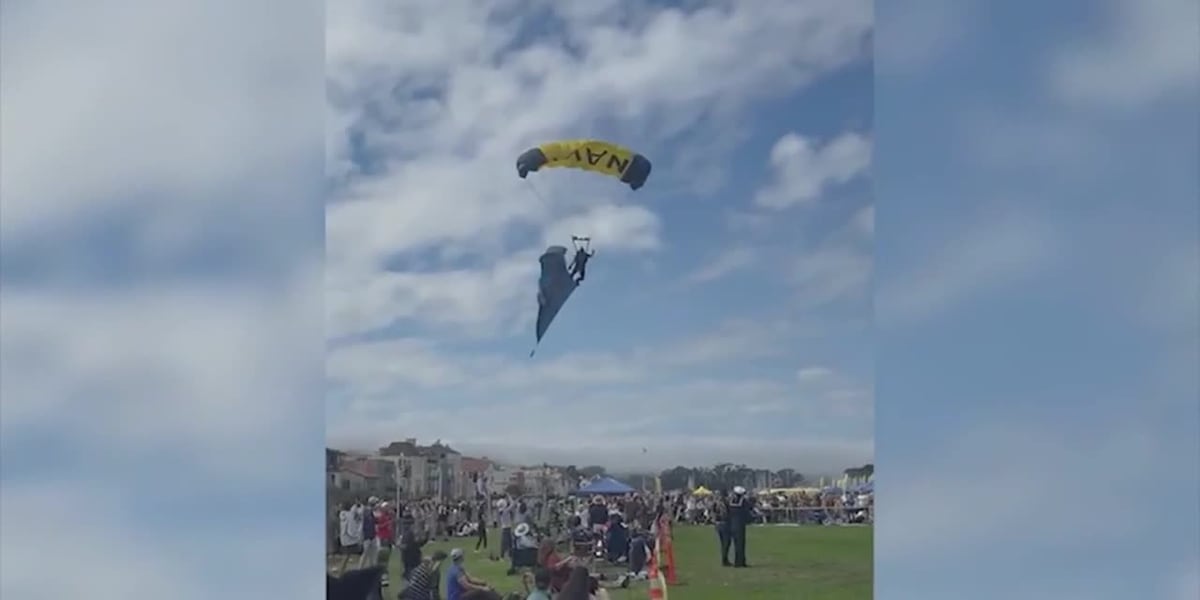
<point x="605" y="486"/>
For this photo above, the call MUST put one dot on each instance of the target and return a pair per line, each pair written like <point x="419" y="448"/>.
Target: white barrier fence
<point x="816" y="515"/>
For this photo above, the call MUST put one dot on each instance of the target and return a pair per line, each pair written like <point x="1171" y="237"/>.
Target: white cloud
<point x="394" y="365"/>
<point x="981" y="491"/>
<point x="64" y="369"/>
<point x="813" y="374"/>
<point x="1186" y="584"/>
<point x="117" y="551"/>
<point x="726" y="262"/>
<point x="611" y="227"/>
<point x="1171" y="296"/>
<point x="482" y="300"/>
<point x="1150" y="51"/>
<point x="409" y="385"/>
<point x="804" y="168"/>
<point x="64" y="66"/>
<point x="840" y="396"/>
<point x="917" y="38"/>
<point x="99" y="551"/>
<point x="981" y="259"/>
<point x="1054" y="143"/>
<point x="831" y="273"/>
<point x="864" y="221"/>
<point x="145" y="425"/>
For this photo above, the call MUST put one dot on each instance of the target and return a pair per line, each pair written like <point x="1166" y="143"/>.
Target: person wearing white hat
<point x="739" y="513"/>
<point x="521" y="530"/>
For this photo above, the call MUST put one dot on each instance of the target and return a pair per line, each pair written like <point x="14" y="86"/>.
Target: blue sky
<point x="1036" y="423"/>
<point x="1037" y="300"/>
<point x="739" y="274"/>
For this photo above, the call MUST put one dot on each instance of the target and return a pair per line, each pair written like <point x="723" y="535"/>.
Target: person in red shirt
<point x="558" y="567"/>
<point x="385" y="532"/>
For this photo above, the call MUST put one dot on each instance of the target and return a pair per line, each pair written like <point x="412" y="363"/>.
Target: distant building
<point x="415" y="471"/>
<point x="433" y="471"/>
<point x="352" y="480"/>
<point x="500" y="477"/>
<point x="333" y="459"/>
<point x="475" y="473"/>
<point x="534" y="481"/>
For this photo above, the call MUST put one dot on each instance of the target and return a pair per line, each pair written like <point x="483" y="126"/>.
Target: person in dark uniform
<point x="410" y="551"/>
<point x="579" y="264"/>
<point x="740" y="512"/>
<point x="721" y="522"/>
<point x="597" y="513"/>
<point x="443" y="522"/>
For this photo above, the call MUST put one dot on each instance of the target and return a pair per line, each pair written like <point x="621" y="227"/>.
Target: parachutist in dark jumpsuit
<point x="579" y="264"/>
<point x="739" y="514"/>
<point x="721" y="521"/>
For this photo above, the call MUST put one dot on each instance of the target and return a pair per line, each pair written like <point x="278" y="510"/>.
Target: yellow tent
<point x="701" y="491"/>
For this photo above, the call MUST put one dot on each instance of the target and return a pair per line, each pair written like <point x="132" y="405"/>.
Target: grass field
<point x="787" y="563"/>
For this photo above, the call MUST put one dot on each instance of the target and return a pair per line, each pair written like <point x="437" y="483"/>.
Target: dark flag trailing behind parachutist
<point x="555" y="285"/>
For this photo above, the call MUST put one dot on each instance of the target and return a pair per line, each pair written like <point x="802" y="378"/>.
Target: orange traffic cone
<point x="658" y="586"/>
<point x="669" y="549"/>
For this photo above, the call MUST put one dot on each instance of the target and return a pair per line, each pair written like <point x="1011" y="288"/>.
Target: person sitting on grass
<point x="580" y="536"/>
<point x="541" y="586"/>
<point x="582" y="586"/>
<point x="557" y="568"/>
<point x="461" y="586"/>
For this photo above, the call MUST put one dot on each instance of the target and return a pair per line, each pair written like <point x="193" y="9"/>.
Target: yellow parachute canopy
<point x="596" y="156"/>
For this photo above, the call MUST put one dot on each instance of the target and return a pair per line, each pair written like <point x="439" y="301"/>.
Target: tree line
<point x="721" y="476"/>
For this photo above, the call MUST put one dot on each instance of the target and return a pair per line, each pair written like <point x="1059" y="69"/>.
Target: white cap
<point x="739" y="490"/>
<point x="456" y="554"/>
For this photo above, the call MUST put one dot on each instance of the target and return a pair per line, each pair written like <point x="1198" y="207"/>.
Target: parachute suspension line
<point x="535" y="191"/>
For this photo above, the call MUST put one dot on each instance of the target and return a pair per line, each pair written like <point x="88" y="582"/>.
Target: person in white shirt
<point x="504" y="515"/>
<point x="369" y="535"/>
<point x="350" y="532"/>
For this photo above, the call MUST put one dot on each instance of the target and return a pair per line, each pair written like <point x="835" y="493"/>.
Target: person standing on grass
<point x="505" y="517"/>
<point x="370" y="536"/>
<point x="740" y="515"/>
<point x="385" y="531"/>
<point x="724" y="534"/>
<point x="481" y="525"/>
<point x="443" y="522"/>
<point x="424" y="580"/>
<point x="410" y="551"/>
<point x="351" y="535"/>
